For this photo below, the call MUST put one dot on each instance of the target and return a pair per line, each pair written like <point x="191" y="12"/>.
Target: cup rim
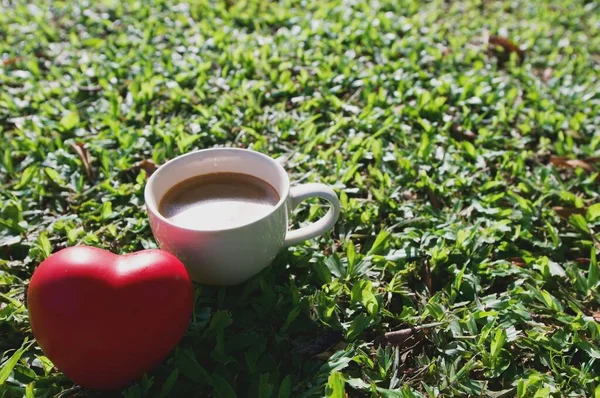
<point x="152" y="208"/>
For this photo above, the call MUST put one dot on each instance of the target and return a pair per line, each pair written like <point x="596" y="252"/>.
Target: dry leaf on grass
<point x="566" y="212"/>
<point x="85" y="157"/>
<point x="502" y="47"/>
<point x="148" y="166"/>
<point x="547" y="75"/>
<point x="11" y="61"/>
<point x="596" y="315"/>
<point x="517" y="261"/>
<point x="435" y="202"/>
<point x="426" y="276"/>
<point x="563" y="161"/>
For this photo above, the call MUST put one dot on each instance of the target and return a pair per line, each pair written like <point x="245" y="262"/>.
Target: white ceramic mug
<point x="230" y="256"/>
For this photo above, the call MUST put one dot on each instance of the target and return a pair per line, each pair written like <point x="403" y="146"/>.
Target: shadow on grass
<point x="249" y="339"/>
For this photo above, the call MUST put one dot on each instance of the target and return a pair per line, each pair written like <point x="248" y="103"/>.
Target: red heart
<point x="104" y="319"/>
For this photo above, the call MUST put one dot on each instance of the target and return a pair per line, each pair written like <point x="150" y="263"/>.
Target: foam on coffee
<point x="218" y="201"/>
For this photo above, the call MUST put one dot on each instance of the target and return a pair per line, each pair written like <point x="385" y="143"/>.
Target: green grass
<point x="467" y="177"/>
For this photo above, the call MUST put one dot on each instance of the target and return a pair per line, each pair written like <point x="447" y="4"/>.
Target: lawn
<point x="463" y="139"/>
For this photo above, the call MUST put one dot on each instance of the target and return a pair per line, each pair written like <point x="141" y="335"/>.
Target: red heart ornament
<point x="104" y="319"/>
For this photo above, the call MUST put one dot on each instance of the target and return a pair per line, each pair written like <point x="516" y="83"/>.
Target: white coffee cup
<point x="230" y="256"/>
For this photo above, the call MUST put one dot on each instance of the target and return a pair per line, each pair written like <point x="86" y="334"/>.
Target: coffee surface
<point x="218" y="201"/>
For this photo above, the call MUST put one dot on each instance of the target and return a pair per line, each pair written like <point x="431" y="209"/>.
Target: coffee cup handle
<point x="324" y="224"/>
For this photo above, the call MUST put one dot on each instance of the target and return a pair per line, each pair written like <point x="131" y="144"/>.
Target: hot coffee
<point x="218" y="201"/>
